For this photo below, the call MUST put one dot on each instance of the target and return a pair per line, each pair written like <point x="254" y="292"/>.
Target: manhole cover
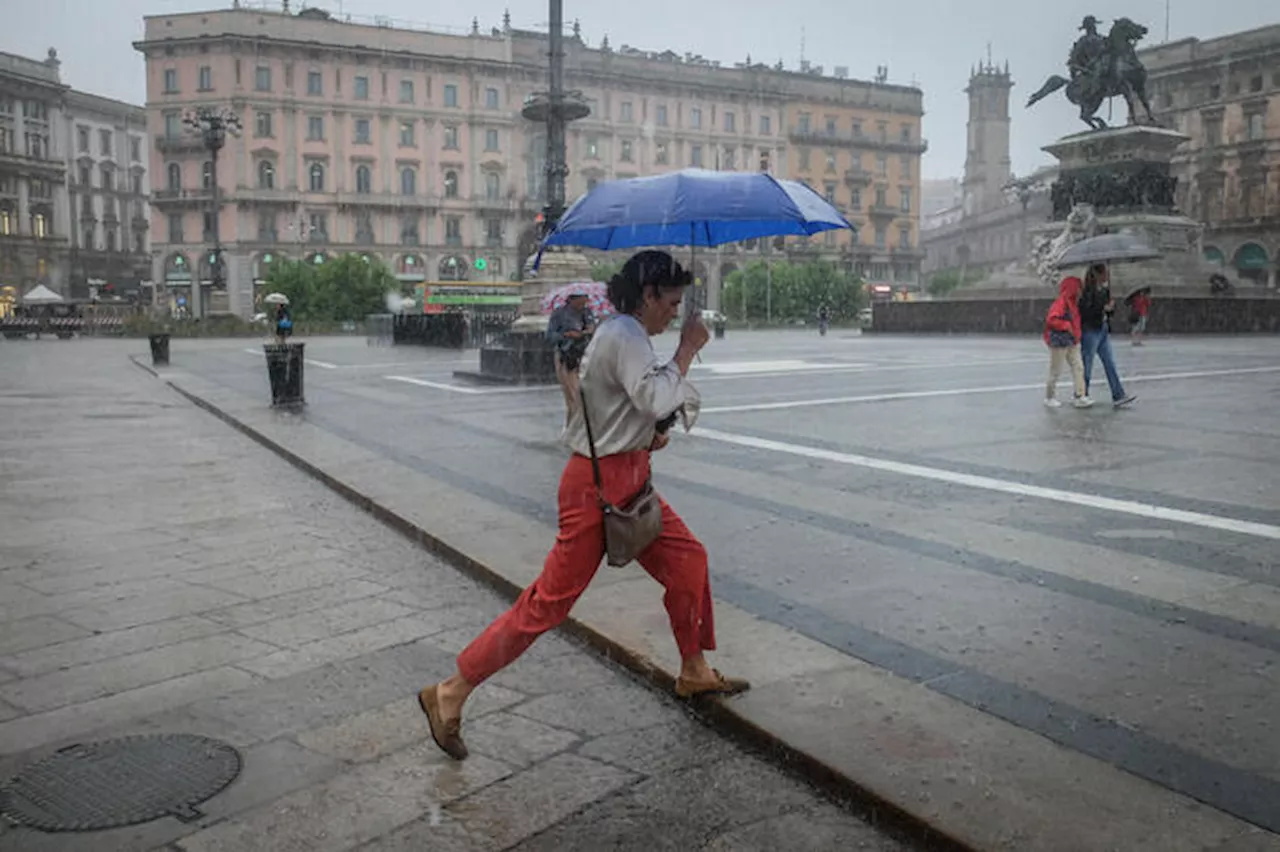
<point x="120" y="782"/>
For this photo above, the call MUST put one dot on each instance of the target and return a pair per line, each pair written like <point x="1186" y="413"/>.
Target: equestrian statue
<point x="1103" y="67"/>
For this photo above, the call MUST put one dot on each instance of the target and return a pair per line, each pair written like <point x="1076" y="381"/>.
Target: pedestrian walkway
<point x="159" y="572"/>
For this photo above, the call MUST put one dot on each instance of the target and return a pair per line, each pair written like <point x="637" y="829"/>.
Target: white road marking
<point x="473" y="391"/>
<point x="781" y="366"/>
<point x="322" y="364"/>
<point x="904" y="395"/>
<point x="986" y="483"/>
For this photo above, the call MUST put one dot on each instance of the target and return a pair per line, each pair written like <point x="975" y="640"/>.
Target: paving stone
<point x="821" y="829"/>
<point x="515" y="739"/>
<point x="322" y="623"/>
<point x="517" y="807"/>
<point x="25" y="633"/>
<point x="341" y="647"/>
<point x="620" y="825"/>
<point x="104" y="646"/>
<point x="296" y="603"/>
<point x="554" y="674"/>
<point x="601" y="709"/>
<point x="361" y="805"/>
<point x="186" y="601"/>
<point x="268" y="580"/>
<point x="673" y="744"/>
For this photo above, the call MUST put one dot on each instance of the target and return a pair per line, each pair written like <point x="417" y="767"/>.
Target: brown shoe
<point x="446" y="732"/>
<point x="721" y="685"/>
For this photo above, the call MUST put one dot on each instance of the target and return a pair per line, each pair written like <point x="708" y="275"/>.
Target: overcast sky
<point x="932" y="43"/>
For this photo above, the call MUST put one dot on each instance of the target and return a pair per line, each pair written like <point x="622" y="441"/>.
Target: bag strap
<point x="591" y="442"/>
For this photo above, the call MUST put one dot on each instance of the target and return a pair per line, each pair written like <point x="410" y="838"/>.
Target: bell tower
<point x="987" y="167"/>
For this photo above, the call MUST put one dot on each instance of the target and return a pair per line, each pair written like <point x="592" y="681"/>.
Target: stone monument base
<point x="524" y="356"/>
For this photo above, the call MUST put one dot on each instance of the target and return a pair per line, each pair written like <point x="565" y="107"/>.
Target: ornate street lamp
<point x="212" y="126"/>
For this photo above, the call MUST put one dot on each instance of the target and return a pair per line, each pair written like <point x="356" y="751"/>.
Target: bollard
<point x="284" y="371"/>
<point x="159" y="350"/>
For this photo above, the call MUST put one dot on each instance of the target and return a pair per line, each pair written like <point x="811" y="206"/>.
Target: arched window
<point x="364" y="180"/>
<point x="492" y="186"/>
<point x="266" y="175"/>
<point x="315" y="177"/>
<point x="408" y="181"/>
<point x="453" y="268"/>
<point x="8" y="222"/>
<point x="39" y="225"/>
<point x="206" y="175"/>
<point x="175" y="177"/>
<point x="451" y="184"/>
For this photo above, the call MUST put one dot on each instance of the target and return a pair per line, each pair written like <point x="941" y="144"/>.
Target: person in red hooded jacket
<point x="1062" y="335"/>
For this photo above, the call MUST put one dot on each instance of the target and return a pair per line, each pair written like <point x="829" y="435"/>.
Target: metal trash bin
<point x="284" y="371"/>
<point x="719" y="329"/>
<point x="159" y="350"/>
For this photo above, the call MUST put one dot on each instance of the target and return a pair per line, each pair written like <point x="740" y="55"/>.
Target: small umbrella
<point x="597" y="298"/>
<point x="693" y="207"/>
<point x="1144" y="289"/>
<point x="275" y="299"/>
<point x="1107" y="248"/>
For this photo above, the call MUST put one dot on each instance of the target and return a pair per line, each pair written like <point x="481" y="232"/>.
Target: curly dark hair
<point x="647" y="269"/>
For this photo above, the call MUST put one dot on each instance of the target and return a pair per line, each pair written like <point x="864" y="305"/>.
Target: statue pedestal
<point x="1124" y="175"/>
<point x="524" y="356"/>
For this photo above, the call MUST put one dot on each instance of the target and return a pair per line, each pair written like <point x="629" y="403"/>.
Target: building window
<point x="267" y="229"/>
<point x="695" y="156"/>
<point x="135" y="183"/>
<point x="364" y="180"/>
<point x="625" y="155"/>
<point x="490" y="98"/>
<point x="262" y="78"/>
<point x="730" y="160"/>
<point x="592" y="183"/>
<point x="764" y="159"/>
<point x="364" y="227"/>
<point x="135" y="149"/>
<point x="904" y="237"/>
<point x="406" y="134"/>
<point x="266" y="175"/>
<point x="82" y="139"/>
<point x="315" y="83"/>
<point x="262" y="125"/>
<point x="904" y="201"/>
<point x="882" y="130"/>
<point x="174" y="176"/>
<point x="881" y="201"/>
<point x="660" y="156"/>
<point x="108" y="178"/>
<point x="451" y="184"/>
<point x="904" y="167"/>
<point x="695" y="118"/>
<point x="318" y="229"/>
<point x="1213" y="132"/>
<point x="409" y="237"/>
<point x="881" y="237"/>
<point x="40" y="225"/>
<point x="855" y="199"/>
<point x="6" y="221"/>
<point x="315" y="177"/>
<point x="171" y="81"/>
<point x="453" y="230"/>
<point x="406" y="91"/>
<point x="766" y="125"/>
<point x="451" y="138"/>
<point x="491" y="140"/>
<point x="451" y="95"/>
<point x="206" y="174"/>
<point x="804" y="120"/>
<point x="804" y="159"/>
<point x="205" y="79"/>
<point x="175" y="227"/>
<point x="593" y="148"/>
<point x="208" y="227"/>
<point x="627" y="112"/>
<point x="315" y="128"/>
<point x="660" y="115"/>
<point x="1256" y="127"/>
<point x="730" y="122"/>
<point x="831" y="162"/>
<point x="492" y="186"/>
<point x="906" y="133"/>
<point x="408" y="181"/>
<point x="1215" y="92"/>
<point x="362" y="131"/>
<point x="882" y="165"/>
<point x="493" y="232"/>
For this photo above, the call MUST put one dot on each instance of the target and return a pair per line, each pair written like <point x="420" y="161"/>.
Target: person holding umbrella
<point x="569" y="330"/>
<point x="1139" y="302"/>
<point x="629" y="398"/>
<point x="1096" y="307"/>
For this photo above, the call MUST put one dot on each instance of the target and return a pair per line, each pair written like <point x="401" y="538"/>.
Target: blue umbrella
<point x="693" y="207"/>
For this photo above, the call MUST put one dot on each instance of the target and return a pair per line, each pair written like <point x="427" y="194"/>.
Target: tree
<point x="348" y="288"/>
<point x="948" y="280"/>
<point x="603" y="270"/>
<point x="796" y="292"/>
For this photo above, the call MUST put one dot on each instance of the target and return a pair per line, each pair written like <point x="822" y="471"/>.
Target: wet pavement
<point x="160" y="572"/>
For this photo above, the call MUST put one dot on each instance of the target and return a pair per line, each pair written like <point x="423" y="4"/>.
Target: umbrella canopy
<point x="693" y="207"/>
<point x="1107" y="248"/>
<point x="275" y="299"/>
<point x="41" y="295"/>
<point x="597" y="298"/>
<point x="1144" y="289"/>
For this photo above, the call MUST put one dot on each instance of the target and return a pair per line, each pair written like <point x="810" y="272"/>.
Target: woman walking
<point x="629" y="399"/>
<point x="1096" y="308"/>
<point x="1062" y="336"/>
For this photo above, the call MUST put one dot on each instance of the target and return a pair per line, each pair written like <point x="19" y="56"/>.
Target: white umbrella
<point x="275" y="299"/>
<point x="1107" y="248"/>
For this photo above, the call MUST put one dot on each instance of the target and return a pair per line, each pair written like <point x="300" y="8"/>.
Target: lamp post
<point x="212" y="126"/>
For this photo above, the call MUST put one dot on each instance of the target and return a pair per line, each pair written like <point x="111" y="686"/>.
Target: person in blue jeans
<point x="1096" y="307"/>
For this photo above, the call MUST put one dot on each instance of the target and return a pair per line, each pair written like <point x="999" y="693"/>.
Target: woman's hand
<point x="660" y="440"/>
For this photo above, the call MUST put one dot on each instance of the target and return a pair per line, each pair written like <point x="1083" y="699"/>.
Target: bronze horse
<point x="1118" y="71"/>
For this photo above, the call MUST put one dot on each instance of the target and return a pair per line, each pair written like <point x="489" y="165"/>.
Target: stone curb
<point x="877" y="808"/>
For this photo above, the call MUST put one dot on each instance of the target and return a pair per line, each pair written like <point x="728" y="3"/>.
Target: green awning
<point x="1251" y="256"/>
<point x="1213" y="255"/>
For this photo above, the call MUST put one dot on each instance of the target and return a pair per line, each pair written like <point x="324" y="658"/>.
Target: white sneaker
<point x="1083" y="402"/>
<point x="1052" y="403"/>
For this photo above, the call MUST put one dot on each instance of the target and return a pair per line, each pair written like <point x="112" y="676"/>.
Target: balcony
<point x="179" y="144"/>
<point x="33" y="165"/>
<point x="858" y="177"/>
<point x="383" y="201"/>
<point x="884" y="211"/>
<point x="181" y="197"/>
<point x="901" y="252"/>
<point x="487" y="206"/>
<point x="874" y="143"/>
<point x="290" y="197"/>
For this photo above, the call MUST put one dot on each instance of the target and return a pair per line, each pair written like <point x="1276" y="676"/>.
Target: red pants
<point x="677" y="560"/>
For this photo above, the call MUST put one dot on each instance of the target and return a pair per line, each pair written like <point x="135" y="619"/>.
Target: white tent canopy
<point x="41" y="295"/>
